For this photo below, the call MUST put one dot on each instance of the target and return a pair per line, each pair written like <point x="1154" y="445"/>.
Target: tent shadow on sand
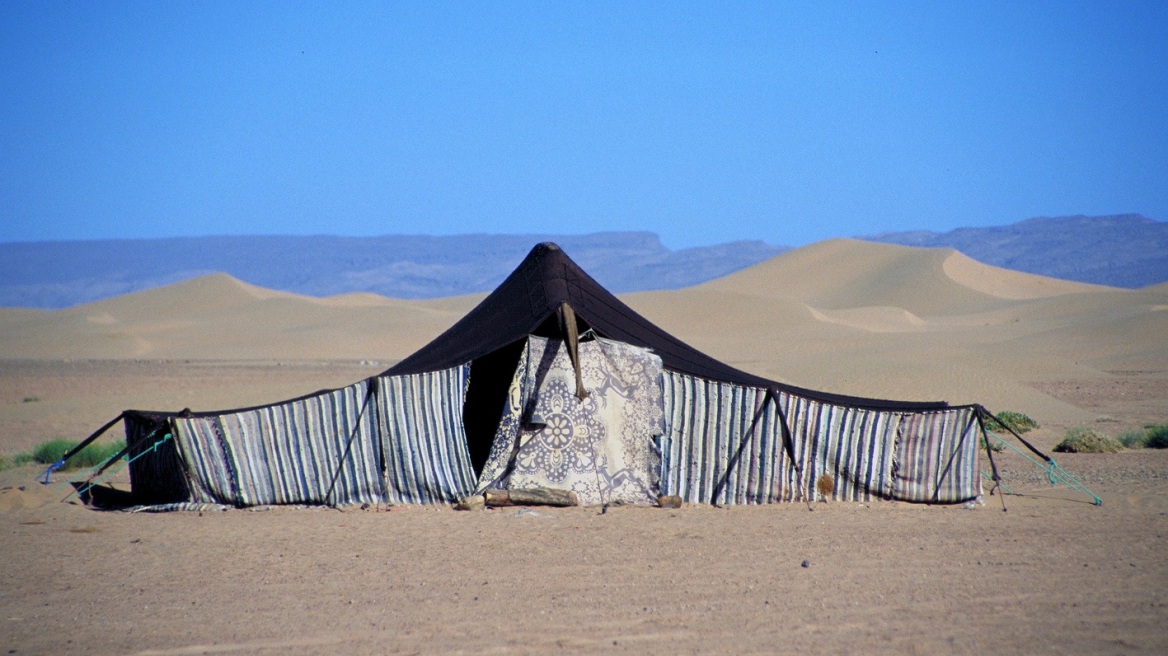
<point x="103" y="497"/>
<point x="553" y="382"/>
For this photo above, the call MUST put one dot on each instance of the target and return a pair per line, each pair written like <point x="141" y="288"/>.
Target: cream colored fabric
<point x="601" y="447"/>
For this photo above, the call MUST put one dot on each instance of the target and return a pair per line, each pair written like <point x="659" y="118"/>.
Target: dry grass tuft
<point x="825" y="485"/>
<point x="1085" y="440"/>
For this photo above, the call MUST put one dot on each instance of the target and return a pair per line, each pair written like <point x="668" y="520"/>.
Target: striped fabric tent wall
<point x="937" y="456"/>
<point x="400" y="440"/>
<point x="725" y="444"/>
<point x="855" y="446"/>
<point x="423" y="438"/>
<point x="287" y="453"/>
<point x="706" y="423"/>
<point x="395" y="439"/>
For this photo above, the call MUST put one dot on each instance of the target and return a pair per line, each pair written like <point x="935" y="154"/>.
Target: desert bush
<point x="1133" y="439"/>
<point x="1157" y="437"/>
<point x="1015" y="421"/>
<point x="1084" y="440"/>
<point x="92" y="455"/>
<point x="49" y="452"/>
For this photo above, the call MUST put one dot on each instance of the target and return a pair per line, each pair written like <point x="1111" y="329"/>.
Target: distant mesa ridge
<point x="1122" y="251"/>
<point x="67" y="273"/>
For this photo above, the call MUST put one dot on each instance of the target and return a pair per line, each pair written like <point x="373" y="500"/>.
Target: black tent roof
<point x="533" y="294"/>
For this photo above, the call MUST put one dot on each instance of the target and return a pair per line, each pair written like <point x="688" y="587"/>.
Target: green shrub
<point x="1157" y="437"/>
<point x="1133" y="439"/>
<point x="1084" y="440"/>
<point x="49" y="452"/>
<point x="92" y="455"/>
<point x="1015" y="421"/>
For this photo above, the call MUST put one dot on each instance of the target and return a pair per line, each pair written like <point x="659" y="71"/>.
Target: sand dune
<point x="847" y="273"/>
<point x="1008" y="284"/>
<point x="874" y="319"/>
<point x="217" y="317"/>
<point x="925" y="324"/>
<point x="843" y="315"/>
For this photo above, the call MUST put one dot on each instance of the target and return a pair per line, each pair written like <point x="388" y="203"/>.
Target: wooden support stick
<point x="496" y="498"/>
<point x="539" y="496"/>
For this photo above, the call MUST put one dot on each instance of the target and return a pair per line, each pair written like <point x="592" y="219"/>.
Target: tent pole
<point x="997" y="478"/>
<point x="730" y="466"/>
<point x="1055" y="473"/>
<point x="571" y="334"/>
<point x="369" y="392"/>
<point x="1028" y="445"/>
<point x="44" y="478"/>
<point x="953" y="456"/>
<point x="95" y="478"/>
<point x="789" y="445"/>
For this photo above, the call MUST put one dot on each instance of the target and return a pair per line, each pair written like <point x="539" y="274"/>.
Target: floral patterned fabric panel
<point x="602" y="447"/>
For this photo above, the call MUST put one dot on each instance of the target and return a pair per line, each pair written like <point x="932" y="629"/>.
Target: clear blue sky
<point x="788" y="122"/>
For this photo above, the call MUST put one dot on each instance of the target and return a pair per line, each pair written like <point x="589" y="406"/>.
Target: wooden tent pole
<point x="572" y="337"/>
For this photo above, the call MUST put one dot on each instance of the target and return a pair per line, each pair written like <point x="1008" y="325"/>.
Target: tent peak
<point x="543" y="283"/>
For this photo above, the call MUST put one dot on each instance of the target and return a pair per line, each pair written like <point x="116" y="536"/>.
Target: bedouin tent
<point x="551" y="381"/>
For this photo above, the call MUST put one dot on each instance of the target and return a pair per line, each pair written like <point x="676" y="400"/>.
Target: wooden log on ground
<point x="496" y="498"/>
<point x="539" y="496"/>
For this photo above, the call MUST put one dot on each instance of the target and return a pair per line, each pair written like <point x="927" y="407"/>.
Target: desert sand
<point x="1052" y="574"/>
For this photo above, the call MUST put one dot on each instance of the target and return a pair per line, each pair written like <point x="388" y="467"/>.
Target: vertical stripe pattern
<point x="420" y="422"/>
<point x="706" y="424"/>
<point x="854" y="446"/>
<point x="937" y="457"/>
<point x="927" y="456"/>
<point x="402" y="441"/>
<point x="288" y="453"/>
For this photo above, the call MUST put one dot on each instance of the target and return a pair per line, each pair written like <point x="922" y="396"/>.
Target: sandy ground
<point x="1054" y="574"/>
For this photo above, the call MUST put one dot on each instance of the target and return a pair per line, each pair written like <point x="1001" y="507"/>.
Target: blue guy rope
<point x="1054" y="473"/>
<point x="108" y="475"/>
<point x="92" y="471"/>
<point x="1002" y="485"/>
